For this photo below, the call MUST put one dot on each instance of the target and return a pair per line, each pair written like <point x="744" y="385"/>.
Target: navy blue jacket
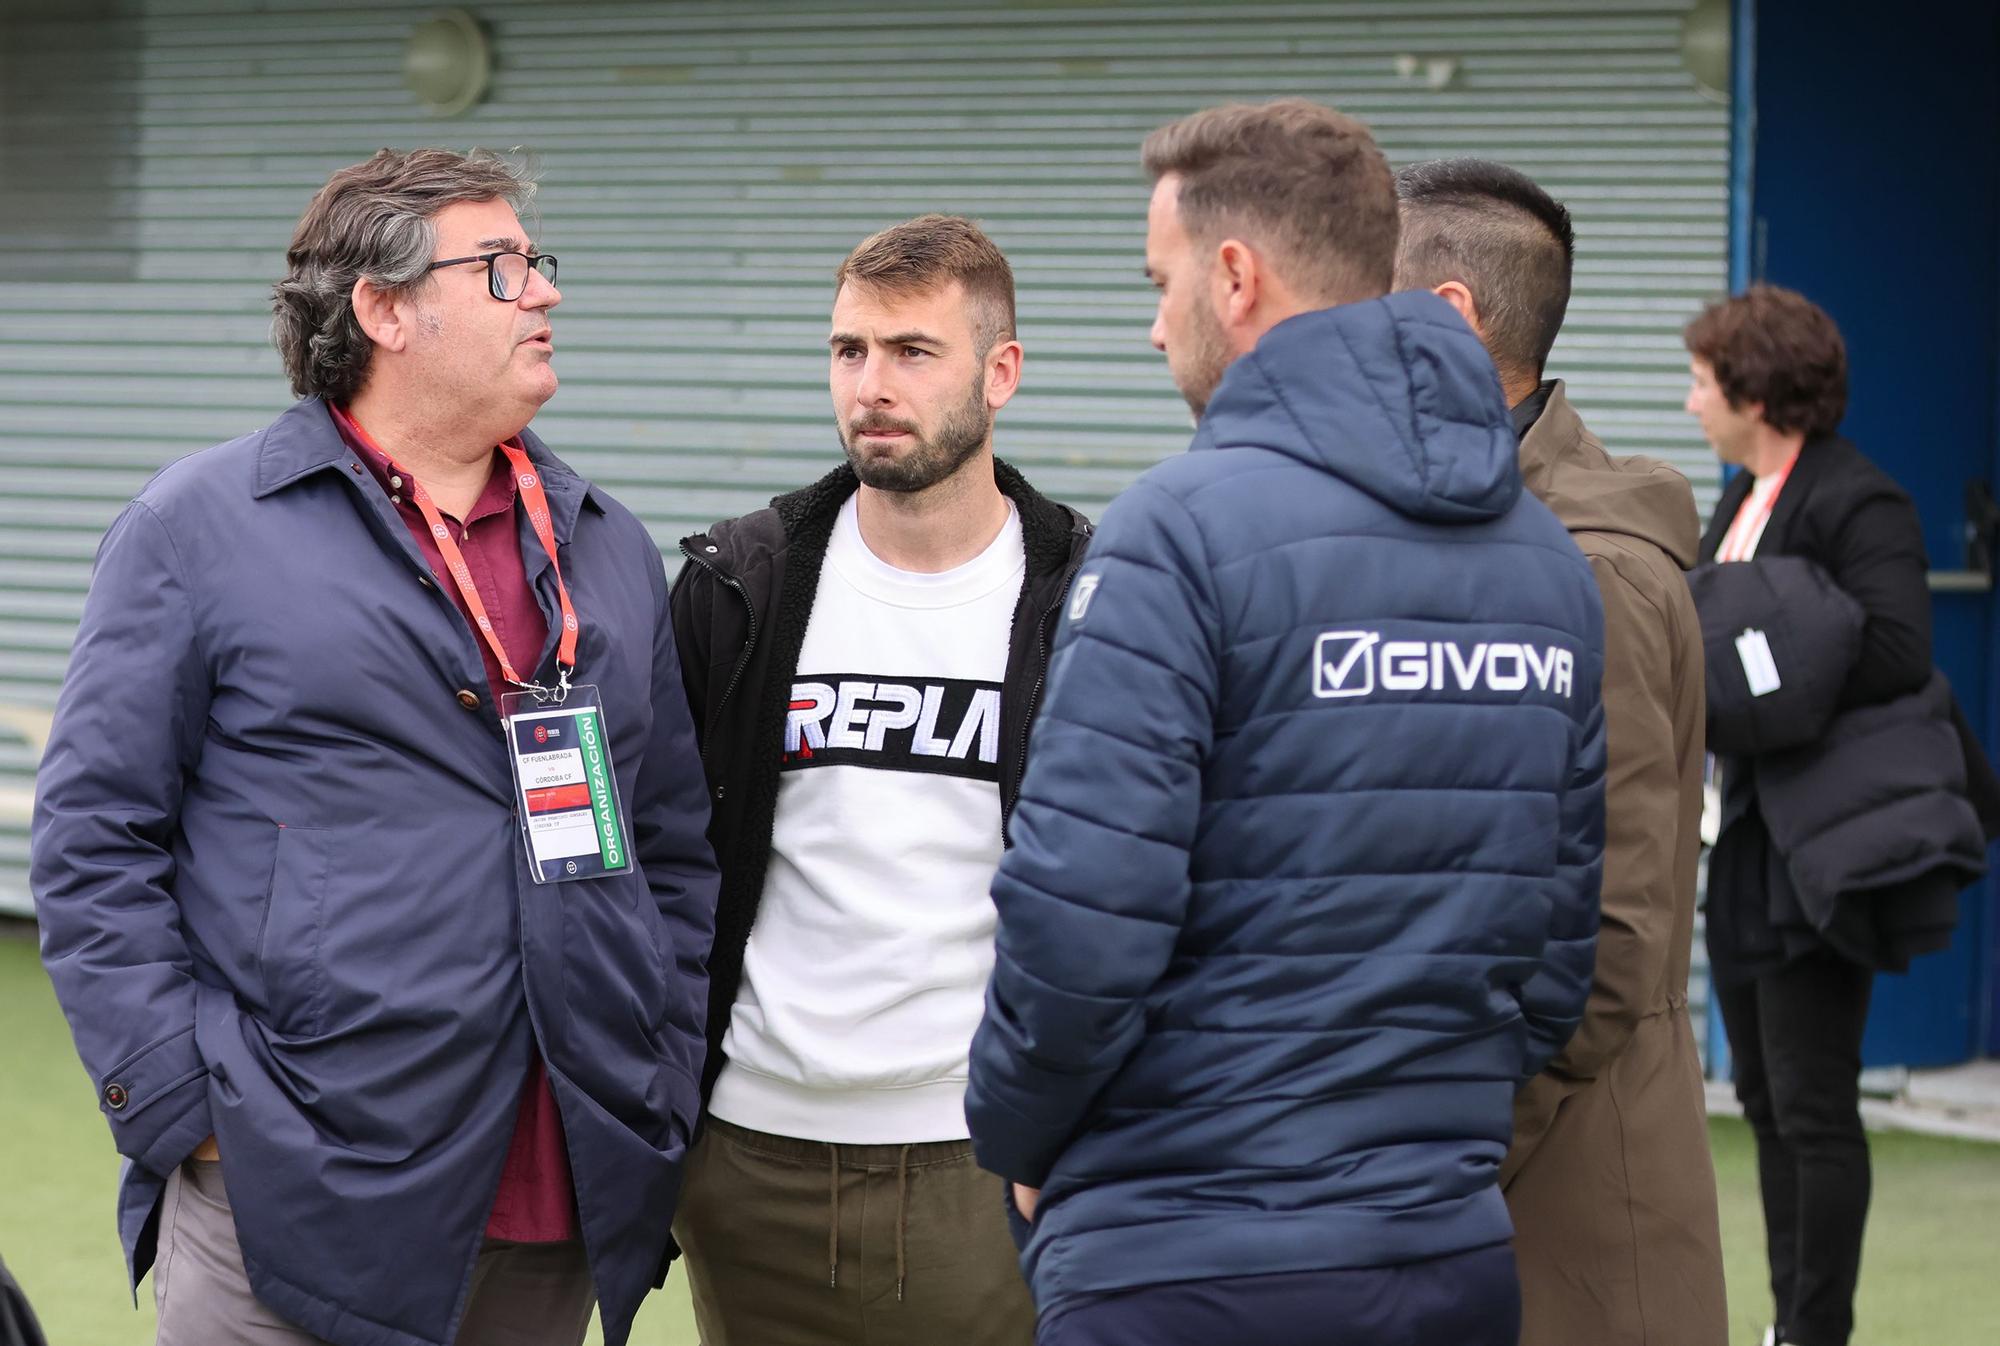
<point x="283" y="896"/>
<point x="1305" y="867"/>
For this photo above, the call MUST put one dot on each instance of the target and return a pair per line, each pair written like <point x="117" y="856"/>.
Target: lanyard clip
<point x="549" y="696"/>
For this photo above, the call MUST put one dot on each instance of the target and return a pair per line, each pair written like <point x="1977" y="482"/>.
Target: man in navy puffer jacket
<point x="1304" y="873"/>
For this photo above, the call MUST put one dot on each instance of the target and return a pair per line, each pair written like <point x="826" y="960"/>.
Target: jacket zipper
<point x="749" y="644"/>
<point x="1035" y="694"/>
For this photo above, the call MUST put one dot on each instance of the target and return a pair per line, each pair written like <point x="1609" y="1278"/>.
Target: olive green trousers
<point x="800" y="1243"/>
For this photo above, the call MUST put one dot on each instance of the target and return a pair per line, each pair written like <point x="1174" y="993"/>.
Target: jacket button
<point x="718" y="791"/>
<point x="115" y="1097"/>
<point x="468" y="698"/>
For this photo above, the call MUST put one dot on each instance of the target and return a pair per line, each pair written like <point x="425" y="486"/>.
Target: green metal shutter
<point x="706" y="165"/>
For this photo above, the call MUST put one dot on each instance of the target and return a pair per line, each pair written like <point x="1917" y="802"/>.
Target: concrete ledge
<point x="1959" y="1102"/>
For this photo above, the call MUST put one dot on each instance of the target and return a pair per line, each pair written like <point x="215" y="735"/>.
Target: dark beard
<point x="960" y="434"/>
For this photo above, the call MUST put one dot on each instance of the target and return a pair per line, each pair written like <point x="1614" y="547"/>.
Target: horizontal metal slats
<point x="705" y="166"/>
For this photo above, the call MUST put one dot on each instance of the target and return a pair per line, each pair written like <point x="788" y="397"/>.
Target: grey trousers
<point x="523" y="1294"/>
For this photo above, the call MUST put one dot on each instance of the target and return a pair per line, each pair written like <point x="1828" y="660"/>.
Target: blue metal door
<point x="1875" y="182"/>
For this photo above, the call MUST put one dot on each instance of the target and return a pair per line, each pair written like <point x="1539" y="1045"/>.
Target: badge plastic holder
<point x="573" y="824"/>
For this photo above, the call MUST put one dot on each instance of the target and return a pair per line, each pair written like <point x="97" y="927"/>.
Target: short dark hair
<point x="1495" y="231"/>
<point x="377" y="219"/>
<point x="1294" y="177"/>
<point x="929" y="252"/>
<point x="1777" y="347"/>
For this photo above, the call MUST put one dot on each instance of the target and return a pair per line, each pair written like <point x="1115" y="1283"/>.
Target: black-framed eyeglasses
<point x="507" y="272"/>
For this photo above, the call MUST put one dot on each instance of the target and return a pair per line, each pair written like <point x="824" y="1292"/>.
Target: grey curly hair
<point x="376" y="220"/>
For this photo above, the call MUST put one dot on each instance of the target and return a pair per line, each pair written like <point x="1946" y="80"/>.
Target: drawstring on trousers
<point x="902" y="1219"/>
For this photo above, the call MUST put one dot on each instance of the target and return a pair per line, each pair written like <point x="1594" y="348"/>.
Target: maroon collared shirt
<point x="536" y="1202"/>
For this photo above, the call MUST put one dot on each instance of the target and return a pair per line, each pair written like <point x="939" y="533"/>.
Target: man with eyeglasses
<point x="369" y="850"/>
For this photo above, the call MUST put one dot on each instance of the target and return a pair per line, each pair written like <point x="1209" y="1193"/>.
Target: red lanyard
<point x="530" y="483"/>
<point x="1747" y="530"/>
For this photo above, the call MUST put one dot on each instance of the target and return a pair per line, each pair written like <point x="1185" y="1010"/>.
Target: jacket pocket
<point x="290" y="944"/>
<point x="672" y="994"/>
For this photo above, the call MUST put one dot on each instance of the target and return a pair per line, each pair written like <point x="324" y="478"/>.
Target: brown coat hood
<point x="1609" y="1179"/>
<point x="1567" y="468"/>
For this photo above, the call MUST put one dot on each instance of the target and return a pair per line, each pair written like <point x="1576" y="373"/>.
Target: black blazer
<point x="1880" y="892"/>
<point x="1847" y="515"/>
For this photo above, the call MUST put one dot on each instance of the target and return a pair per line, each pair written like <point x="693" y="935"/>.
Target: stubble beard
<point x="1204" y="359"/>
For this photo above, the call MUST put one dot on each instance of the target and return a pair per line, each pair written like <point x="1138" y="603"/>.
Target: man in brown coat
<point x="1609" y="1179"/>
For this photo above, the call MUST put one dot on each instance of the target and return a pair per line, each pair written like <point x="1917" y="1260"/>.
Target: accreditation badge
<point x="572" y="822"/>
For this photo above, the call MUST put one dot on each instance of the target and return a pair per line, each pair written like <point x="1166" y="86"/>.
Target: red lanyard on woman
<point x="1747" y="529"/>
<point x="536" y="499"/>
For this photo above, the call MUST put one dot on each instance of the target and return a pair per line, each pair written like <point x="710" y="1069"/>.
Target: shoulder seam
<point x="180" y="564"/>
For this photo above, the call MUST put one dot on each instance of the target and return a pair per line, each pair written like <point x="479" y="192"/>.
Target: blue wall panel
<point x="1877" y="171"/>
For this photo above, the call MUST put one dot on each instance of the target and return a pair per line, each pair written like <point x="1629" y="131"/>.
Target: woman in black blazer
<point x="1770" y="387"/>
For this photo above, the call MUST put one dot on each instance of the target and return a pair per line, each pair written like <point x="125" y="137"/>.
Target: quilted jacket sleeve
<point x="1553" y="1000"/>
<point x="1092" y="894"/>
<point x="128" y="729"/>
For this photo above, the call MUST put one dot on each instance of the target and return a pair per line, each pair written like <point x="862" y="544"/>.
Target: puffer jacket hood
<point x="1393" y="395"/>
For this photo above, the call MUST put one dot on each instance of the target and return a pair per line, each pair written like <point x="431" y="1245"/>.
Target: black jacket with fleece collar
<point x="740" y="609"/>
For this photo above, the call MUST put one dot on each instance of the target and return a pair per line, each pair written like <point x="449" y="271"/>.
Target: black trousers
<point x="1795" y="1032"/>
<point x="1470" y="1299"/>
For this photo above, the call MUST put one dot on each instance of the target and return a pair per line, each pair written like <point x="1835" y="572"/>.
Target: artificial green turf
<point x="59" y="1182"/>
<point x="1930" y="1275"/>
<point x="1930" y="1268"/>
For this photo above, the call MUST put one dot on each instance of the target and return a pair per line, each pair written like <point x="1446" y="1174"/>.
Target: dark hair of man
<point x="1294" y="179"/>
<point x="1493" y="230"/>
<point x="375" y="219"/>
<point x="928" y="253"/>
<point x="1777" y="347"/>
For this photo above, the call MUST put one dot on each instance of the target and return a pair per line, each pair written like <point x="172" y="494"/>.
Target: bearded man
<point x="863" y="660"/>
<point x="1304" y="875"/>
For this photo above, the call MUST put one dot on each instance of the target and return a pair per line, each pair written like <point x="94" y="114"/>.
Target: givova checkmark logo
<point x="1342" y="665"/>
<point x="1355" y="663"/>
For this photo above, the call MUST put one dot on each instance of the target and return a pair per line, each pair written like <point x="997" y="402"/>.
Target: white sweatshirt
<point x="866" y="971"/>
